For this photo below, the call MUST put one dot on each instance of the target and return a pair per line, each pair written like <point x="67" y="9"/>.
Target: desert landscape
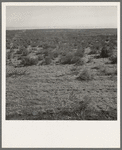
<point x="61" y="74"/>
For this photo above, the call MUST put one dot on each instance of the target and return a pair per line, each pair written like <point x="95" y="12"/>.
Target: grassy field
<point x="63" y="91"/>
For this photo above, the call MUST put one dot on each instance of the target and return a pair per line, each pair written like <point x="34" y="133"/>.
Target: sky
<point x="45" y="17"/>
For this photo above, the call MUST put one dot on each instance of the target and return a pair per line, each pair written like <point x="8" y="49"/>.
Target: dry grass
<point x="80" y="52"/>
<point x="29" y="60"/>
<point x="85" y="75"/>
<point x="52" y="92"/>
<point x="113" y="59"/>
<point x="67" y="59"/>
<point x="16" y="72"/>
<point x="44" y="89"/>
<point x="108" y="71"/>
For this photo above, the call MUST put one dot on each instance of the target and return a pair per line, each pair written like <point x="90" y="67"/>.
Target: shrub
<point x="75" y="59"/>
<point x="16" y="73"/>
<point x="30" y="60"/>
<point x="79" y="52"/>
<point x="18" y="51"/>
<point x="34" y="49"/>
<point x="105" y="52"/>
<point x="40" y="45"/>
<point x="90" y="60"/>
<point x="85" y="75"/>
<point x="40" y="57"/>
<point x="74" y="70"/>
<point x="108" y="71"/>
<point x="8" y="55"/>
<point x="63" y="53"/>
<point x="71" y="58"/>
<point x="46" y="52"/>
<point x="29" y="49"/>
<point x="93" y="51"/>
<point x="47" y="60"/>
<point x="80" y="62"/>
<point x="25" y="52"/>
<point x="7" y="45"/>
<point x="39" y="51"/>
<point x="66" y="59"/>
<point x="55" y="54"/>
<point x="113" y="59"/>
<point x="33" y="44"/>
<point x="45" y="46"/>
<point x="22" y="50"/>
<point x="50" y="54"/>
<point x="84" y="105"/>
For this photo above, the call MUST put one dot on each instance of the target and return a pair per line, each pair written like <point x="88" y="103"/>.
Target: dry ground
<point x="52" y="92"/>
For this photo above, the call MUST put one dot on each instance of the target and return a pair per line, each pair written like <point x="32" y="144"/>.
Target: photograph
<point x="60" y="74"/>
<point x="61" y="62"/>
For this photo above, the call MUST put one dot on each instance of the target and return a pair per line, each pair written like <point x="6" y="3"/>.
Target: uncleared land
<point x="61" y="75"/>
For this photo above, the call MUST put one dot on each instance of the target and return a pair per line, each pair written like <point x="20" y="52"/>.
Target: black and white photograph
<point x="61" y="62"/>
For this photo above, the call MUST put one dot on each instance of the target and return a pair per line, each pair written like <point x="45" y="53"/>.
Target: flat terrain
<point x="53" y="92"/>
<point x="50" y="83"/>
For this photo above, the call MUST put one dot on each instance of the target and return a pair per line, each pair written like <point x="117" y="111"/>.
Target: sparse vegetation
<point x="40" y="57"/>
<point x="47" y="60"/>
<point x="29" y="60"/>
<point x="85" y="75"/>
<point x="75" y="60"/>
<point x="80" y="52"/>
<point x="67" y="59"/>
<point x="109" y="71"/>
<point x="105" y="52"/>
<point x="113" y="59"/>
<point x="16" y="73"/>
<point x="39" y="87"/>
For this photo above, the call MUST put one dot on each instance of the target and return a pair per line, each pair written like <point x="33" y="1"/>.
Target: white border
<point x="61" y="3"/>
<point x="58" y="134"/>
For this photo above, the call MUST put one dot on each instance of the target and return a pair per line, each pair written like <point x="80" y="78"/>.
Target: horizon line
<point x="26" y="28"/>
